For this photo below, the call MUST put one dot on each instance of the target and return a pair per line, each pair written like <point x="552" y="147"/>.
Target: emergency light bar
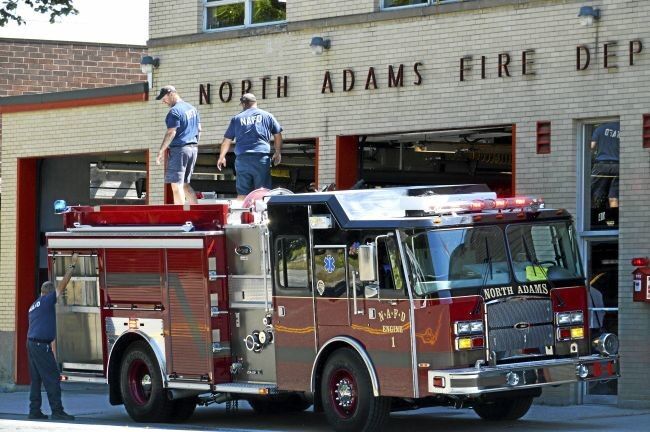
<point x="470" y="203"/>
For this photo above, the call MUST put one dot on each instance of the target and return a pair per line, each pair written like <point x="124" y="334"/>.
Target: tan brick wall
<point x="300" y="10"/>
<point x="557" y="93"/>
<point x="174" y="18"/>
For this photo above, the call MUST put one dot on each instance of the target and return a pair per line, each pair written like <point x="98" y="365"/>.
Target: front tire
<point x="504" y="409"/>
<point x="141" y="385"/>
<point x="347" y="397"/>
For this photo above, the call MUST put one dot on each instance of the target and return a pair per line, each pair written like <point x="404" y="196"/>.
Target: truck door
<point x="380" y="316"/>
<point x="79" y="325"/>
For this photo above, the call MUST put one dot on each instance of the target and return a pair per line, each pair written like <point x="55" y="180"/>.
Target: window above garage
<point x="230" y="14"/>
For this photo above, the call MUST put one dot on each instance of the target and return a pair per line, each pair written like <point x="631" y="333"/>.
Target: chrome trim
<point x="187" y="385"/>
<point x="83" y="366"/>
<point x="331" y="246"/>
<point x="156" y="341"/>
<point x="487" y="379"/>
<point x="362" y="353"/>
<point x="407" y="280"/>
<point x="126" y="243"/>
<point x="245" y="388"/>
<point x="85" y="379"/>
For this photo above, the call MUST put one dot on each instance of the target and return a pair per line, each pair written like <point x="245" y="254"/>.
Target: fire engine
<point x="359" y="302"/>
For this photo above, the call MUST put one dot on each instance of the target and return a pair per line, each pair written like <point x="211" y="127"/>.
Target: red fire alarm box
<point x="641" y="284"/>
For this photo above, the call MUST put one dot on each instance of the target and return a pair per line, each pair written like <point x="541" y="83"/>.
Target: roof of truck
<point x="418" y="206"/>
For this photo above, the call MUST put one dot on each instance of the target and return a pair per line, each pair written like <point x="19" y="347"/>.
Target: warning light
<point x="640" y="262"/>
<point x="60" y="206"/>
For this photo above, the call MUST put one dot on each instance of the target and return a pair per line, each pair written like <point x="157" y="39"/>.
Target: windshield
<point x="544" y="251"/>
<point x="457" y="258"/>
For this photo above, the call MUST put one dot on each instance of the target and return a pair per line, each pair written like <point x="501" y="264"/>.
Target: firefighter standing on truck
<point x="42" y="364"/>
<point x="252" y="130"/>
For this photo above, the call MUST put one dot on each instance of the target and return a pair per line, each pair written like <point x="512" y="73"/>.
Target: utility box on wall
<point x="641" y="284"/>
<point x="641" y="290"/>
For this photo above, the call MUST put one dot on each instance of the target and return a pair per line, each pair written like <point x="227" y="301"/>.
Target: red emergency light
<point x="640" y="262"/>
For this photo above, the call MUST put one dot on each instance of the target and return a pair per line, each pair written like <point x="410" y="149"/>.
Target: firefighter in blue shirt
<point x="43" y="368"/>
<point x="605" y="144"/>
<point x="251" y="130"/>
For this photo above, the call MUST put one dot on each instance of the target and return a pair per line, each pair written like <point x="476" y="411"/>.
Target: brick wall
<point x="29" y="66"/>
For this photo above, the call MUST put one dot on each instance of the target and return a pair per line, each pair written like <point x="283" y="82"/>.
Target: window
<point x="457" y="258"/>
<point x="544" y="251"/>
<point x="223" y="14"/>
<point x="601" y="167"/>
<point x="292" y="263"/>
<point x="387" y="4"/>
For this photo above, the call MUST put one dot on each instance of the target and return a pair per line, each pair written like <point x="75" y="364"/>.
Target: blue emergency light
<point x="60" y="206"/>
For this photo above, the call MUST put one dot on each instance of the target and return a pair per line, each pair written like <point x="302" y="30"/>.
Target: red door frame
<point x="26" y="260"/>
<point x="346" y="169"/>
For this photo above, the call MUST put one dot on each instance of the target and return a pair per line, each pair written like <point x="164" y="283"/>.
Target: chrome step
<point x="75" y="376"/>
<point x="247" y="388"/>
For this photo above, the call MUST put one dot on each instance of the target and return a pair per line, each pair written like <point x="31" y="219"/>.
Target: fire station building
<point x="509" y="93"/>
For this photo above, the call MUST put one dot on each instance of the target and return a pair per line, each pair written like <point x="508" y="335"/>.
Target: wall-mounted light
<point x="318" y="45"/>
<point x="588" y="15"/>
<point x="147" y="65"/>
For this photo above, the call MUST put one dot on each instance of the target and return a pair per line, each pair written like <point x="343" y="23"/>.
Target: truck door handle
<point x="282" y="311"/>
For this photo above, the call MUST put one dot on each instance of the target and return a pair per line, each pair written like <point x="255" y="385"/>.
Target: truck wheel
<point x="141" y="385"/>
<point x="182" y="410"/>
<point x="504" y="408"/>
<point x="291" y="403"/>
<point x="346" y="393"/>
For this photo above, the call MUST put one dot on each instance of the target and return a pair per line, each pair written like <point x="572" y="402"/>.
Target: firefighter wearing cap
<point x="182" y="138"/>
<point x="43" y="369"/>
<point x="251" y="130"/>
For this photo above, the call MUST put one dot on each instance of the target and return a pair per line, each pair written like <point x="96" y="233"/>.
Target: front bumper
<point x="516" y="376"/>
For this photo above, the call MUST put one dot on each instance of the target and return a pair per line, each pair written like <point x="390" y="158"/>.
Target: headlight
<point x="563" y="318"/>
<point x="606" y="344"/>
<point x="468" y="327"/>
<point x="462" y="327"/>
<point x="476" y="326"/>
<point x="577" y="317"/>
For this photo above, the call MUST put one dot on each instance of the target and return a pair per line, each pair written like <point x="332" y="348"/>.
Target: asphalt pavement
<point x="89" y="403"/>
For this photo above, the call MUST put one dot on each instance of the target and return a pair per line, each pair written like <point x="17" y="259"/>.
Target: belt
<point x="44" y="341"/>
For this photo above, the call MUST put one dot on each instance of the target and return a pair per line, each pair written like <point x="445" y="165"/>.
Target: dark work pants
<point x="43" y="370"/>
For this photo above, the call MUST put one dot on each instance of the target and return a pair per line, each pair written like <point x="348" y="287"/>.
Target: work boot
<point x="37" y="415"/>
<point x="61" y="415"/>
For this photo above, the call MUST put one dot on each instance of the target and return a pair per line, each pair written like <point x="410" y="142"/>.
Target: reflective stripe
<point x="126" y="243"/>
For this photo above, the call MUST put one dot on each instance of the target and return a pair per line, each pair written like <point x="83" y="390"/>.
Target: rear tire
<point x="290" y="403"/>
<point x="144" y="397"/>
<point x="347" y="396"/>
<point x="504" y="409"/>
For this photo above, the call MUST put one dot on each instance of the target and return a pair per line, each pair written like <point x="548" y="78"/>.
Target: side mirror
<point x="371" y="291"/>
<point x="367" y="263"/>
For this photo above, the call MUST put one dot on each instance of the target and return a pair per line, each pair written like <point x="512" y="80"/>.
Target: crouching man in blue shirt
<point x="42" y="365"/>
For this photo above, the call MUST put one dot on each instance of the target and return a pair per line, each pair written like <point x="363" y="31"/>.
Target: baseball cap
<point x="247" y="97"/>
<point x="165" y="90"/>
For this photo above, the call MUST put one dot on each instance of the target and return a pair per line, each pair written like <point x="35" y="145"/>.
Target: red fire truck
<point x="359" y="302"/>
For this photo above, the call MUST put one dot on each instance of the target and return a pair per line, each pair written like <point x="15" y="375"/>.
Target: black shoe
<point x="37" y="415"/>
<point x="62" y="415"/>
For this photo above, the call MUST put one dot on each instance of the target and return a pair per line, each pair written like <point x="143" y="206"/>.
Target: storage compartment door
<point x="189" y="311"/>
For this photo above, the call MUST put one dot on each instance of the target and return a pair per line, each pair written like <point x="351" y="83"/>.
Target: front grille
<point x="517" y="324"/>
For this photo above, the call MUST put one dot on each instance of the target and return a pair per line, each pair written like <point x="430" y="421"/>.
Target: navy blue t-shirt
<point x="252" y="130"/>
<point x="607" y="141"/>
<point x="42" y="318"/>
<point x="185" y="118"/>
